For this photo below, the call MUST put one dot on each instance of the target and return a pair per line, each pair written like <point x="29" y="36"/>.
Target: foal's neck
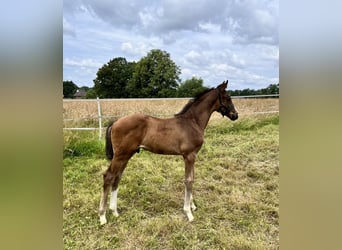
<point x="201" y="110"/>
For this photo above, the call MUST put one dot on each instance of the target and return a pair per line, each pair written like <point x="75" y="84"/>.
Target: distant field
<point x="112" y="109"/>
<point x="236" y="185"/>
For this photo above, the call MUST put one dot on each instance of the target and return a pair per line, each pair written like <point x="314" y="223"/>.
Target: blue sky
<point x="214" y="40"/>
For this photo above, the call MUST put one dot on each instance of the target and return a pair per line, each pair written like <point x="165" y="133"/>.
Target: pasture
<point x="236" y="188"/>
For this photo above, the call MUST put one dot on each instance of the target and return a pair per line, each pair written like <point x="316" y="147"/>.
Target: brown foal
<point x="179" y="135"/>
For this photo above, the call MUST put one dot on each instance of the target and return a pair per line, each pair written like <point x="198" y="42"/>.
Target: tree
<point x="155" y="75"/>
<point x="91" y="94"/>
<point x="191" y="87"/>
<point x="85" y="88"/>
<point x="69" y="89"/>
<point x="271" y="89"/>
<point x="112" y="78"/>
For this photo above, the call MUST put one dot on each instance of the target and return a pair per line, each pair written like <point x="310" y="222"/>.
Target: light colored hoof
<point x="189" y="215"/>
<point x="115" y="214"/>
<point x="103" y="220"/>
<point x="193" y="207"/>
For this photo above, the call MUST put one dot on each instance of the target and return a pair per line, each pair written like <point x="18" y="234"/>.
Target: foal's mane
<point x="192" y="101"/>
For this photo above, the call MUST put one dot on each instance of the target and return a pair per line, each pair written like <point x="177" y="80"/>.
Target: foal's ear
<point x="223" y="86"/>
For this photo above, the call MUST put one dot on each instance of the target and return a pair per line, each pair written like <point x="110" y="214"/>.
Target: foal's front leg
<point x="189" y="179"/>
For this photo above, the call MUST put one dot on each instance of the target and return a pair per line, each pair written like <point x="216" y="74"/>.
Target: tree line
<point x="271" y="89"/>
<point x="154" y="75"/>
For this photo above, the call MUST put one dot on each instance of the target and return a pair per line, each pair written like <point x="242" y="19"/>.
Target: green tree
<point x="91" y="94"/>
<point x="271" y="89"/>
<point x="69" y="89"/>
<point x="85" y="88"/>
<point x="112" y="78"/>
<point x="155" y="75"/>
<point x="191" y="87"/>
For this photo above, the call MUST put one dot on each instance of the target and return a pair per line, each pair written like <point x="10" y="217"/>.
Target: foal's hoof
<point x="189" y="215"/>
<point x="191" y="218"/>
<point x="103" y="220"/>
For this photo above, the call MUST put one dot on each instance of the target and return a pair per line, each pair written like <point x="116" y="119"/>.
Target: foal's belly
<point x="161" y="149"/>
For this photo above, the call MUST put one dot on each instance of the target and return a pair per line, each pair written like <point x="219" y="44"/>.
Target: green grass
<point x="236" y="191"/>
<point x="82" y="143"/>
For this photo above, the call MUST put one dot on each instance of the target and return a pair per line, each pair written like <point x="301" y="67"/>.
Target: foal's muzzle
<point x="233" y="116"/>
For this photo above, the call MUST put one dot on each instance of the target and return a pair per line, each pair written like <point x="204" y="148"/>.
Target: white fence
<point x="100" y="116"/>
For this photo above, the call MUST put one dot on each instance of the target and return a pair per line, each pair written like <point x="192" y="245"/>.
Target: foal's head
<point x="226" y="107"/>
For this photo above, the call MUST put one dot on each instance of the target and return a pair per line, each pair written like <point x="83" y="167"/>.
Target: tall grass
<point x="236" y="191"/>
<point x="82" y="143"/>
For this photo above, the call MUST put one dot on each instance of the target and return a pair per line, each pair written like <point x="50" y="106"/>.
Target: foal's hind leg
<point x="189" y="179"/>
<point x="108" y="178"/>
<point x="113" y="205"/>
<point x="111" y="178"/>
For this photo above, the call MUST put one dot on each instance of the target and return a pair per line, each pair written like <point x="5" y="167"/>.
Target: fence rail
<point x="100" y="116"/>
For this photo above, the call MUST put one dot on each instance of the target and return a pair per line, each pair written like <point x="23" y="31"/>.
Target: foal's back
<point x="173" y="136"/>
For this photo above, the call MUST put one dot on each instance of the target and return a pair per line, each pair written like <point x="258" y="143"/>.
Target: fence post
<point x="100" y="118"/>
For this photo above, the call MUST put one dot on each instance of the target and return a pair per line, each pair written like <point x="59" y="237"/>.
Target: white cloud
<point x="209" y="27"/>
<point x="193" y="56"/>
<point x="270" y="53"/>
<point x="83" y="63"/>
<point x="136" y="50"/>
<point x="127" y="47"/>
<point x="141" y="47"/>
<point x="250" y="21"/>
<point x="215" y="40"/>
<point x="253" y="21"/>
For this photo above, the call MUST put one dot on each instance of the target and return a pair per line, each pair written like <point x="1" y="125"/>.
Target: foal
<point x="180" y="135"/>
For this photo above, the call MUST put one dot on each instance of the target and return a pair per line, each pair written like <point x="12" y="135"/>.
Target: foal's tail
<point x="109" y="146"/>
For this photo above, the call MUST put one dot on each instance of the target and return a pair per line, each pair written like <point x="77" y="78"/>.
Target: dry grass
<point x="76" y="109"/>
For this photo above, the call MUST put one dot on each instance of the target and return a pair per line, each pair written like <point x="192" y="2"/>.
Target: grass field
<point x="236" y="191"/>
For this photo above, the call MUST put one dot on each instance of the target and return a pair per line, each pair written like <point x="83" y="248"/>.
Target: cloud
<point x="209" y="27"/>
<point x="120" y="13"/>
<point x="240" y="78"/>
<point x="215" y="40"/>
<point x="156" y="16"/>
<point x="249" y="21"/>
<point x="253" y="21"/>
<point x="270" y="53"/>
<point x="80" y="71"/>
<point x="83" y="63"/>
<point x="175" y="15"/>
<point x="137" y="49"/>
<point x="193" y="56"/>
<point x="68" y="29"/>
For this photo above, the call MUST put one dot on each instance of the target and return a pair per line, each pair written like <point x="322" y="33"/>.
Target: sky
<point x="216" y="40"/>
